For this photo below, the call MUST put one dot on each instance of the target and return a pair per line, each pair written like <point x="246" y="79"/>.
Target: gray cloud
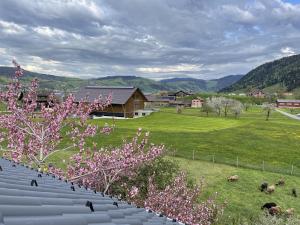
<point x="155" y="39"/>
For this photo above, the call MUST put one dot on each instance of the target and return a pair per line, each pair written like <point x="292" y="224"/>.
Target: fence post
<point x="263" y="166"/>
<point x="237" y="161"/>
<point x="292" y="169"/>
<point x="213" y="159"/>
<point x="193" y="154"/>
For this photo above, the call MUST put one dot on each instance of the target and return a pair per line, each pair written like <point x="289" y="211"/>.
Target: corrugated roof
<point x="288" y="101"/>
<point x="120" y="95"/>
<point x="53" y="202"/>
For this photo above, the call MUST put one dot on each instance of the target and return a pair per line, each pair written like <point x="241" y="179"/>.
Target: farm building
<point x="284" y="103"/>
<point x="197" y="103"/>
<point x="179" y="94"/>
<point x="125" y="100"/>
<point x="257" y="93"/>
<point x="154" y="101"/>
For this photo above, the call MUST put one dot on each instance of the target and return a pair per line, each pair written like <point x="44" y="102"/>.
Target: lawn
<point x="272" y="145"/>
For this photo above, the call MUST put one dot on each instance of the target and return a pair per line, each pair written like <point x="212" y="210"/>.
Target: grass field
<point x="243" y="197"/>
<point x="251" y="138"/>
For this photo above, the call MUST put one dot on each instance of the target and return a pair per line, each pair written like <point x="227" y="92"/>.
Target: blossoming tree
<point x="100" y="169"/>
<point x="28" y="134"/>
<point x="180" y="202"/>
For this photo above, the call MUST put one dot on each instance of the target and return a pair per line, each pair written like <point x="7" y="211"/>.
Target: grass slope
<point x="243" y="197"/>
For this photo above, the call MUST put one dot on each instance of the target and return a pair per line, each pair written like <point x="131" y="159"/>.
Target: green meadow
<point x="251" y="140"/>
<point x="210" y="146"/>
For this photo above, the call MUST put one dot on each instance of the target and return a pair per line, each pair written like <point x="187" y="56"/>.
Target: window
<point x="143" y="114"/>
<point x="136" y="113"/>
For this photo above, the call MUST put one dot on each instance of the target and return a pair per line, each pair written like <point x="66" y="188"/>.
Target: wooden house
<point x="125" y="100"/>
<point x="286" y="103"/>
<point x="179" y="94"/>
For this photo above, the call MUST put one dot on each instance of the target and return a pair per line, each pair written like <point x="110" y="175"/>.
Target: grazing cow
<point x="281" y="182"/>
<point x="233" y="178"/>
<point x="294" y="192"/>
<point x="276" y="210"/>
<point x="290" y="212"/>
<point x="271" y="189"/>
<point x="269" y="205"/>
<point x="263" y="186"/>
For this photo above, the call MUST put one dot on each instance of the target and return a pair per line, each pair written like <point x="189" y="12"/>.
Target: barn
<point x="286" y="103"/>
<point x="126" y="101"/>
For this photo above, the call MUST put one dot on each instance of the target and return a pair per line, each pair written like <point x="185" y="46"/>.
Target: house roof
<point x="120" y="95"/>
<point x="177" y="92"/>
<point x="153" y="98"/>
<point x="54" y="202"/>
<point x="288" y="101"/>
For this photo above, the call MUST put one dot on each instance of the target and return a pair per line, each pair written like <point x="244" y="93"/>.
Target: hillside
<point x="283" y="73"/>
<point x="147" y="85"/>
<point x="198" y="85"/>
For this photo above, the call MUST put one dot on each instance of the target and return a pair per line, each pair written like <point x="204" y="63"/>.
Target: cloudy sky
<point x="149" y="38"/>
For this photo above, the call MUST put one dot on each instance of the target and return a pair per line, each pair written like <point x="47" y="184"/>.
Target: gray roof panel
<point x="53" y="202"/>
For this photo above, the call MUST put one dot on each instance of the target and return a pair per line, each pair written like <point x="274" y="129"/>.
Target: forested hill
<point x="147" y="85"/>
<point x="283" y="73"/>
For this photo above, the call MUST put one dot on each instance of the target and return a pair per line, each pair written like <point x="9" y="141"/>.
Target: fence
<point x="239" y="162"/>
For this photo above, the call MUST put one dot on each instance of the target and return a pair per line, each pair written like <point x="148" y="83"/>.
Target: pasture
<point x="276" y="142"/>
<point x="251" y="138"/>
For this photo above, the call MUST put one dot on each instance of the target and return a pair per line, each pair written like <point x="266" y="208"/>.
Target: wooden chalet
<point x="125" y="100"/>
<point x="179" y="94"/>
<point x="286" y="103"/>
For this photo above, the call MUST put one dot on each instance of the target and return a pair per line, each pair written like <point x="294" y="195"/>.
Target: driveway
<point x="288" y="114"/>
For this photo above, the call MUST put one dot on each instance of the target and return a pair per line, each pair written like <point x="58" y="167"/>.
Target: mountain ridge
<point x="147" y="85"/>
<point x="283" y="72"/>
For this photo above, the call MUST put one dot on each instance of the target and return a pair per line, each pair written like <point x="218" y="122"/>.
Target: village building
<point x="257" y="93"/>
<point x="197" y="103"/>
<point x="155" y="101"/>
<point x="126" y="101"/>
<point x="286" y="103"/>
<point x="182" y="103"/>
<point x="179" y="94"/>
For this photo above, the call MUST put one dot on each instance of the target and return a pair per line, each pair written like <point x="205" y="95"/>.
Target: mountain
<point x="198" y="85"/>
<point x="45" y="80"/>
<point x="147" y="85"/>
<point x="281" y="74"/>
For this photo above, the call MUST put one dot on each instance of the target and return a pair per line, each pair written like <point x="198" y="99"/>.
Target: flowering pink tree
<point x="100" y="169"/>
<point x="180" y="202"/>
<point x="34" y="135"/>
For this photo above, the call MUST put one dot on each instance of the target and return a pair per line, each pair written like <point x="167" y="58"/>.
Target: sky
<point x="156" y="39"/>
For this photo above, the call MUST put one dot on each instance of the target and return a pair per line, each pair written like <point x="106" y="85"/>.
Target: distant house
<point x="284" y="103"/>
<point x="155" y="101"/>
<point x="197" y="103"/>
<point x="179" y="94"/>
<point x="125" y="100"/>
<point x="257" y="93"/>
<point x="183" y="103"/>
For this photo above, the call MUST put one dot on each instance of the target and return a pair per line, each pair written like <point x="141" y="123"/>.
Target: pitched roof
<point x="288" y="101"/>
<point x="54" y="202"/>
<point x="120" y="95"/>
<point x="154" y="98"/>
